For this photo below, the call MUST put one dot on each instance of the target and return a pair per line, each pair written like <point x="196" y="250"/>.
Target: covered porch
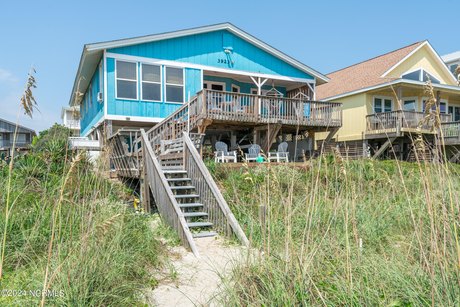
<point x="404" y="108"/>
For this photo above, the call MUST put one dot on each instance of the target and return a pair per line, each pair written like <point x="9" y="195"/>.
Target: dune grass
<point x="71" y="238"/>
<point x="354" y="233"/>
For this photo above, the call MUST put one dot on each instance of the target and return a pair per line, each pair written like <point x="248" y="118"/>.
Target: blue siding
<point x="134" y="107"/>
<point x="192" y="82"/>
<point x="208" y="49"/>
<point x="91" y="110"/>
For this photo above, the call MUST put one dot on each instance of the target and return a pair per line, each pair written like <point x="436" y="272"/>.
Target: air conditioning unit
<point x="100" y="97"/>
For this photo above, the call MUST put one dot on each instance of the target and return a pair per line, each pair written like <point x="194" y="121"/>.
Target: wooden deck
<point x="451" y="133"/>
<point x="398" y="123"/>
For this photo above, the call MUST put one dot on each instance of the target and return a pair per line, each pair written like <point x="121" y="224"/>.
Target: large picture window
<point x="126" y="78"/>
<point x="151" y="82"/>
<point x="382" y="104"/>
<point x="174" y="84"/>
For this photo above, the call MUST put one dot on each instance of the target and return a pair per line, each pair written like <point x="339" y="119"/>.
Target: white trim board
<point x="169" y="63"/>
<point x="394" y="82"/>
<point x="135" y="118"/>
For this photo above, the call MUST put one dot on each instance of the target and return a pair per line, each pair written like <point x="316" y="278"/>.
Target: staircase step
<point x="204" y="234"/>
<point x="190" y="205"/>
<point x="187" y="196"/>
<point x="174" y="171"/>
<point x="199" y="224"/>
<point x="178" y="179"/>
<point x="195" y="214"/>
<point x="182" y="187"/>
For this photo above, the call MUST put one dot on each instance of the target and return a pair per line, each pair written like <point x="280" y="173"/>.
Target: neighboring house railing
<point x="18" y="144"/>
<point x="400" y="120"/>
<point x="83" y="143"/>
<point x="451" y="129"/>
<point x="451" y="133"/>
<point x="71" y="123"/>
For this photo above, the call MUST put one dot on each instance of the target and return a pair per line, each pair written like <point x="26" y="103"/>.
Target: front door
<point x="214" y="98"/>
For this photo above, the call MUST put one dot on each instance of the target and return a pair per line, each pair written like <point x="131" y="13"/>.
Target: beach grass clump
<point x="339" y="232"/>
<point x="72" y="239"/>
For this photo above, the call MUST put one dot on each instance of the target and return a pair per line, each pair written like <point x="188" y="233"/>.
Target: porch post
<point x="399" y="98"/>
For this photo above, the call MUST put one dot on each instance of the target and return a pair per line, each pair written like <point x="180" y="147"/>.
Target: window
<point x="382" y="105"/>
<point x="427" y="76"/>
<point x="126" y="80"/>
<point x="442" y="107"/>
<point x="453" y="68"/>
<point x="410" y="105"/>
<point x="455" y="111"/>
<point x="420" y="75"/>
<point x="235" y="89"/>
<point x="174" y="84"/>
<point x="151" y="82"/>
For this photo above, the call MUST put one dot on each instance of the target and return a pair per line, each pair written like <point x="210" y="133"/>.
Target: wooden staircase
<point x="189" y="202"/>
<point x="186" y="196"/>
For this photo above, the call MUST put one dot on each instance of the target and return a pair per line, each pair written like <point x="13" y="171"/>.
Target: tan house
<point x="384" y="101"/>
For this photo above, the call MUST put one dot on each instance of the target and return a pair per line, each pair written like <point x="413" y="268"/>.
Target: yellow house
<point x="384" y="101"/>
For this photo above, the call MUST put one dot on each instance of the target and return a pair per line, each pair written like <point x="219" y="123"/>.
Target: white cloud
<point x="6" y="76"/>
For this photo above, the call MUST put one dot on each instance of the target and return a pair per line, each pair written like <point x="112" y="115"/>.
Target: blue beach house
<point x="237" y="88"/>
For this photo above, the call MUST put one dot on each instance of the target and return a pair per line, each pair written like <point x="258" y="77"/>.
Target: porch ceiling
<point x="289" y="85"/>
<point x="411" y="89"/>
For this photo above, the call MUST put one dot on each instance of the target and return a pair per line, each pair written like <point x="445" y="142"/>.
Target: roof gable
<point x="209" y="49"/>
<point x="385" y="68"/>
<point x="7" y="126"/>
<point x="424" y="57"/>
<point x="364" y="74"/>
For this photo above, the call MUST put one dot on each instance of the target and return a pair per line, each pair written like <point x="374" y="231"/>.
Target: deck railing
<point x="17" y="144"/>
<point x="238" y="107"/>
<point x="451" y="129"/>
<point x="215" y="205"/>
<point x="164" y="198"/>
<point x="400" y="120"/>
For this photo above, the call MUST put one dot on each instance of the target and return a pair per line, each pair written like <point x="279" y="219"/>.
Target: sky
<point x="325" y="35"/>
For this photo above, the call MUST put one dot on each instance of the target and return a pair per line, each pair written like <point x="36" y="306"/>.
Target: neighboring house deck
<point x="157" y="99"/>
<point x="71" y="119"/>
<point x="386" y="104"/>
<point x="22" y="140"/>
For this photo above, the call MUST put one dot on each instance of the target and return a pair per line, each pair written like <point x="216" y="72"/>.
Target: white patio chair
<point x="281" y="155"/>
<point x="222" y="154"/>
<point x="253" y="152"/>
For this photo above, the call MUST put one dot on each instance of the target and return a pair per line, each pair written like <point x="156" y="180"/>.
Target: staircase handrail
<point x="164" y="198"/>
<point x="219" y="212"/>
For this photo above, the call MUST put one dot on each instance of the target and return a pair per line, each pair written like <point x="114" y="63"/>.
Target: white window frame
<point x="210" y="83"/>
<point x="383" y="103"/>
<point x="404" y="99"/>
<point x="116" y="79"/>
<point x="152" y="82"/>
<point x="424" y="98"/>
<point x="453" y="110"/>
<point x="420" y="75"/>
<point x="166" y="83"/>
<point x="237" y="87"/>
